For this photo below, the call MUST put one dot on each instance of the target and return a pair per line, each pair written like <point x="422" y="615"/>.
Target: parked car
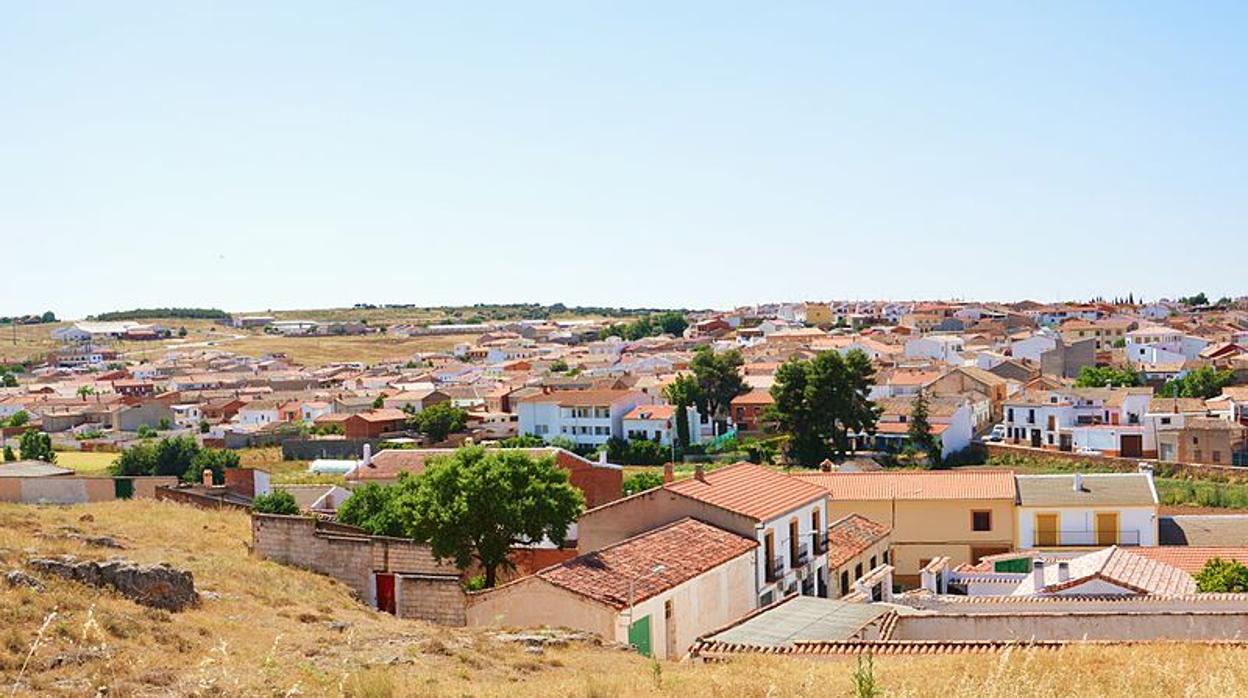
<point x="997" y="433"/>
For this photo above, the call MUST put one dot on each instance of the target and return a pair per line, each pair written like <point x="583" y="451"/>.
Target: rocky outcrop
<point x="158" y="586"/>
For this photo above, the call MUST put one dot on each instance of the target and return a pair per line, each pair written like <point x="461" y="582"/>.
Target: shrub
<point x="1220" y="575"/>
<point x="276" y="502"/>
<point x="640" y="482"/>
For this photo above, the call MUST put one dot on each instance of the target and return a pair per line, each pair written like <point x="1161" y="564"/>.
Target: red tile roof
<point x="904" y="428"/>
<point x="751" y="490"/>
<point x="915" y="484"/>
<point x="388" y="414"/>
<point x="849" y="536"/>
<point x="650" y="412"/>
<point x="571" y="398"/>
<point x="1191" y="559"/>
<point x="685" y="549"/>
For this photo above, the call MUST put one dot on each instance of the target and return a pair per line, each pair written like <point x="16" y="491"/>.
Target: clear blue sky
<point x="306" y="154"/>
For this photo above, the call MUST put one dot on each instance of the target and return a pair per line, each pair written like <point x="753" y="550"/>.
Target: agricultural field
<point x="86" y="463"/>
<point x="267" y="629"/>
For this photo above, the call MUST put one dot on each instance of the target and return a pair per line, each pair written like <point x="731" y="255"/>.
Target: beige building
<point x="657" y="592"/>
<point x="856" y="546"/>
<point x="962" y="515"/>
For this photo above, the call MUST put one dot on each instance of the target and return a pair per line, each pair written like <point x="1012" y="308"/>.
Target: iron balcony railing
<point x="820" y="543"/>
<point x="1083" y="537"/>
<point x="803" y="555"/>
<point x="775" y="569"/>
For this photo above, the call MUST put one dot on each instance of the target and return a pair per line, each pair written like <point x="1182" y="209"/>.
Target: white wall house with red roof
<point x="587" y="417"/>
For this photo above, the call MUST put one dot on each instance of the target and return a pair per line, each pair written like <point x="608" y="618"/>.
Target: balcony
<point x="775" y="569"/>
<point x="1081" y="538"/>
<point x="819" y="541"/>
<point x="803" y="555"/>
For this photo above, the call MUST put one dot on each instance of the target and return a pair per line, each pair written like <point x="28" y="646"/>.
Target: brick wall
<point x="1218" y="473"/>
<point x="432" y="598"/>
<point x="353" y="559"/>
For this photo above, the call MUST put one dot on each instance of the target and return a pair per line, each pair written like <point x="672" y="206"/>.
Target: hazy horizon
<point x="310" y="155"/>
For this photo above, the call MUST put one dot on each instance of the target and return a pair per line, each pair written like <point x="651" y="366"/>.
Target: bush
<point x="975" y="454"/>
<point x="640" y="482"/>
<point x="275" y="502"/>
<point x="1220" y="575"/>
<point x="36" y="445"/>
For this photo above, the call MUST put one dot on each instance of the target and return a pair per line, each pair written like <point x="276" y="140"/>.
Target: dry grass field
<point x="86" y="463"/>
<point x="267" y="629"/>
<point x="318" y="351"/>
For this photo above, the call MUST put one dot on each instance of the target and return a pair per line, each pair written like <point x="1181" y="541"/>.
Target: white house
<point x="259" y="413"/>
<point x="1034" y="346"/>
<point x="658" y="423"/>
<point x="1050" y="418"/>
<point x="1086" y="509"/>
<point x="941" y="347"/>
<point x="587" y="417"/>
<point x="187" y="415"/>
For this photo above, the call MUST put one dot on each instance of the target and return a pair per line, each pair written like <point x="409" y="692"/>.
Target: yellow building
<point x="964" y="515"/>
<point x="819" y="315"/>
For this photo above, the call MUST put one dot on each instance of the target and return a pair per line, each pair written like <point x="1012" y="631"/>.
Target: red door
<point x="385" y="592"/>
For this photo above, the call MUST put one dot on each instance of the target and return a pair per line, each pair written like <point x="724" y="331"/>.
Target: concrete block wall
<point x="435" y="599"/>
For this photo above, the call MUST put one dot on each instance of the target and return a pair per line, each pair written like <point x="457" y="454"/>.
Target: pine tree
<point x="920" y="430"/>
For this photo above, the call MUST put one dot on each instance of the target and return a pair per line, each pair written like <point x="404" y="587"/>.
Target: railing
<point x="1082" y="537"/>
<point x="775" y="569"/>
<point x="820" y="543"/>
<point x="803" y="555"/>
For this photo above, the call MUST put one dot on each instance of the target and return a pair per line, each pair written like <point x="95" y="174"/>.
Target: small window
<point x="858" y="571"/>
<point x="981" y="520"/>
<point x="886" y="557"/>
<point x="873" y="565"/>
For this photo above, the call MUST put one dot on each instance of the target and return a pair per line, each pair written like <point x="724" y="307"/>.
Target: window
<point x="794" y="542"/>
<point x="1217" y="456"/>
<point x="1195" y="440"/>
<point x="541" y="429"/>
<point x="844" y="583"/>
<point x="1165" y="420"/>
<point x="886" y="557"/>
<point x="873" y="565"/>
<point x="858" y="571"/>
<point x="1010" y="415"/>
<point x="981" y="520"/>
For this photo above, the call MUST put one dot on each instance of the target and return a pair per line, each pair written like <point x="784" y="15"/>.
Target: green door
<point x="639" y="635"/>
<point x="123" y="488"/>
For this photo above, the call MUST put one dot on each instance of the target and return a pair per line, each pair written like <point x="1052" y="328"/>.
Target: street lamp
<point x="632" y="587"/>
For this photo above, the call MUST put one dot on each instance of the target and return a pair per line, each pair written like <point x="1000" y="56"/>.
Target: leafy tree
<point x="181" y="331"/>
<point x="671" y="322"/>
<point x="36" y="445"/>
<point x="8" y="380"/>
<point x="761" y="452"/>
<point x="682" y="393"/>
<point x="329" y="428"/>
<point x="9" y="455"/>
<point x="478" y="504"/>
<point x="214" y="459"/>
<point x="558" y="366"/>
<point x="1220" y="575"/>
<point x="522" y="441"/>
<point x="145" y="431"/>
<point x="822" y="401"/>
<point x="1205" y="382"/>
<point x="919" y="430"/>
<point x="642" y="481"/>
<point x="379" y="402"/>
<point x="276" y="502"/>
<point x="563" y="442"/>
<point x="204" y="427"/>
<point x="373" y="508"/>
<point x="635" y="452"/>
<point x="164" y="424"/>
<point x="1198" y="299"/>
<point x="176" y="456"/>
<point x="439" y="421"/>
<point x="48" y="316"/>
<point x="719" y="380"/>
<point x="84" y="391"/>
<point x="1107" y="376"/>
<point x="19" y="418"/>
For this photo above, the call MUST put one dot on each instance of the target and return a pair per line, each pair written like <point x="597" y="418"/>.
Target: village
<point x="799" y="479"/>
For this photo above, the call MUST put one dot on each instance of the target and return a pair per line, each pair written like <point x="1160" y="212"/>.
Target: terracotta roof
<point x="685" y="549"/>
<point x="1119" y="567"/>
<point x="651" y="412"/>
<point x="754" y="397"/>
<point x="849" y="536"/>
<point x="904" y="428"/>
<point x="751" y="490"/>
<point x="1191" y="559"/>
<point x="388" y="414"/>
<point x="915" y="484"/>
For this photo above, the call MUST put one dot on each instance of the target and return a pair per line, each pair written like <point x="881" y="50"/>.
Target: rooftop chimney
<point x="826" y="465"/>
<point x="668" y="473"/>
<point x="699" y="472"/>
<point x="1037" y="574"/>
<point x="1078" y="482"/>
<point x="207" y="477"/>
<point x="368" y="455"/>
<point x="1063" y="571"/>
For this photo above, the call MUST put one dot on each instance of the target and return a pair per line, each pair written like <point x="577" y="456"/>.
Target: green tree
<point x="164" y="424"/>
<point x="1198" y="299"/>
<point x="181" y="331"/>
<point x="9" y="455"/>
<point x="1219" y="576"/>
<point x="8" y="380"/>
<point x="671" y="322"/>
<point x="214" y="459"/>
<point x="642" y="481"/>
<point x="821" y="402"/>
<point x="919" y="430"/>
<point x="522" y="441"/>
<point x="439" y="421"/>
<point x="84" y="391"/>
<point x="478" y="504"/>
<point x="275" y="502"/>
<point x="1204" y="383"/>
<point x="48" y="316"/>
<point x="558" y="366"/>
<point x="719" y="380"/>
<point x="19" y="418"/>
<point x="373" y="508"/>
<point x="36" y="445"/>
<point x="379" y="402"/>
<point x="1107" y="377"/>
<point x="204" y="427"/>
<point x="173" y="456"/>
<point x="683" y="393"/>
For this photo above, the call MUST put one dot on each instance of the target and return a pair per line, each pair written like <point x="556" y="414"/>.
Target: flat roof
<point x="800" y="619"/>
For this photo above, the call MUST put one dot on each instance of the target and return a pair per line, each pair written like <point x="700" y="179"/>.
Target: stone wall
<point x="335" y="449"/>
<point x="1220" y="473"/>
<point x="75" y="490"/>
<point x="354" y="558"/>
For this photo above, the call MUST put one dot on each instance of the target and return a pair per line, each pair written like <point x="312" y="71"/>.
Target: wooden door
<point x="1046" y="531"/>
<point x="1132" y="446"/>
<point x="385" y="593"/>
<point x="1107" y="528"/>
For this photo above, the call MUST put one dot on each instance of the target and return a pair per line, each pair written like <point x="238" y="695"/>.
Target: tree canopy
<point x="179" y="456"/>
<point x="919" y="430"/>
<point x="668" y="322"/>
<point x="1107" y="377"/>
<point x="719" y="380"/>
<point x="439" y="421"/>
<point x="683" y="393"/>
<point x="36" y="445"/>
<point x="1205" y="382"/>
<point x="275" y="502"/>
<point x="822" y="401"/>
<point x="1220" y="575"/>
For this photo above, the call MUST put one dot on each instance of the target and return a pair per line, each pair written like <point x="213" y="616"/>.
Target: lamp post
<point x="632" y="588"/>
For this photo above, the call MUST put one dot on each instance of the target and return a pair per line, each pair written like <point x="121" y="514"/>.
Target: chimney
<point x="1063" y="571"/>
<point x="669" y="473"/>
<point x="826" y="465"/>
<point x="699" y="472"/>
<point x="1037" y="574"/>
<point x="207" y="477"/>
<point x="602" y="457"/>
<point x="1078" y="482"/>
<point x="368" y="455"/>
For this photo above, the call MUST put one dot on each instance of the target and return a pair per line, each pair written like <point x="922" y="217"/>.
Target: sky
<point x="287" y="155"/>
